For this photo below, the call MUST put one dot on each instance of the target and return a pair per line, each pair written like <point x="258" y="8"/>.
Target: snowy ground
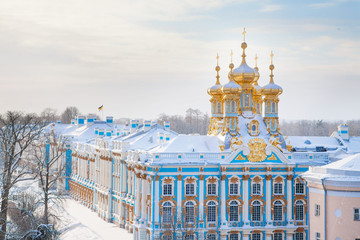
<point x="79" y="222"/>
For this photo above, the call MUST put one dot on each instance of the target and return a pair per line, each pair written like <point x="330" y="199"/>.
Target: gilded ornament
<point x="222" y="147"/>
<point x="236" y="143"/>
<point x="257" y="150"/>
<point x="272" y="157"/>
<point x="240" y="157"/>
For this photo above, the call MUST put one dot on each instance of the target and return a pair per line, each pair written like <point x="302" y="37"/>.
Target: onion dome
<point x="231" y="86"/>
<point x="257" y="88"/>
<point x="244" y="73"/>
<point x="271" y="88"/>
<point x="216" y="89"/>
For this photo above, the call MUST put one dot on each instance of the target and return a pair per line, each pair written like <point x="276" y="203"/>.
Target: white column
<point x="201" y="198"/>
<point x="246" y="198"/>
<point x="245" y="236"/>
<point x="137" y="196"/>
<point x="268" y="198"/>
<point x="143" y="198"/>
<point x="223" y="200"/>
<point x="268" y="235"/>
<point x="156" y="202"/>
<point x="179" y="190"/>
<point x="152" y="198"/>
<point x="289" y="198"/>
<point x="289" y="235"/>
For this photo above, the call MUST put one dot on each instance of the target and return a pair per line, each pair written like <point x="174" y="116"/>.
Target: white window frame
<point x="211" y="205"/>
<point x="166" y="189"/>
<point x="211" y="187"/>
<point x="278" y="234"/>
<point x="302" y="192"/>
<point x="299" y="236"/>
<point x="277" y="188"/>
<point x="317" y="236"/>
<point x="232" y="187"/>
<point x="278" y="204"/>
<point x="234" y="211"/>
<point x="255" y="234"/>
<point x="234" y="236"/>
<point x="210" y="236"/>
<point x="188" y="190"/>
<point x="258" y="191"/>
<point x="297" y="211"/>
<point x="258" y="206"/>
<point x="167" y="218"/>
<point x="189" y="214"/>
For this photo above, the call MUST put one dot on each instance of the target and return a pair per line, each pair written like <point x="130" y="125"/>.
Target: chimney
<point x="108" y="132"/>
<point x="146" y="125"/>
<point x="160" y="138"/>
<point x="343" y="131"/>
<point x="90" y="120"/>
<point x="73" y="121"/>
<point x="167" y="137"/>
<point x="101" y="132"/>
<point x="96" y="131"/>
<point x="133" y="125"/>
<point x="167" y="126"/>
<point x="80" y="120"/>
<point x="110" y="120"/>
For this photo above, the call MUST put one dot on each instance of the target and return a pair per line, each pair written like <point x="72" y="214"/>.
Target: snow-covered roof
<point x="343" y="173"/>
<point x="311" y="142"/>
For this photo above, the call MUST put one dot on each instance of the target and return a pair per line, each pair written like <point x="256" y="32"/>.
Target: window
<point x="356" y="214"/>
<point x="255" y="236"/>
<point x="256" y="211"/>
<point x="273" y="107"/>
<point x="234" y="211"/>
<point x="233" y="106"/>
<point x="299" y="236"/>
<point x="211" y="189"/>
<point x="219" y="108"/>
<point x="299" y="188"/>
<point x="189" y="212"/>
<point x="246" y="98"/>
<point x="278" y="211"/>
<point x="167" y="212"/>
<point x="167" y="189"/>
<point x="166" y="237"/>
<point x="256" y="189"/>
<point x="211" y="213"/>
<point x="190" y="189"/>
<point x="234" y="236"/>
<point x="190" y="237"/>
<point x="278" y="190"/>
<point x="317" y="210"/>
<point x="210" y="237"/>
<point x="278" y="236"/>
<point x="258" y="110"/>
<point x="317" y="236"/>
<point x="299" y="211"/>
<point x="234" y="189"/>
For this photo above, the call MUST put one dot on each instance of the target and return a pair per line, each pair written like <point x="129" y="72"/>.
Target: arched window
<point x="219" y="108"/>
<point x="167" y="237"/>
<point x="299" y="236"/>
<point x="278" y="211"/>
<point x="234" y="236"/>
<point x="258" y="109"/>
<point x="234" y="211"/>
<point x="189" y="237"/>
<point x="273" y="107"/>
<point x="255" y="236"/>
<point x="210" y="237"/>
<point x="211" y="212"/>
<point x="278" y="236"/>
<point x="233" y="106"/>
<point x="189" y="212"/>
<point x="299" y="205"/>
<point x="256" y="210"/>
<point x="246" y="100"/>
<point x="167" y="212"/>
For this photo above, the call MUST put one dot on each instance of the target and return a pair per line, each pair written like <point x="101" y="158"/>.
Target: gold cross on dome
<point x="271" y="55"/>
<point x="217" y="59"/>
<point x="256" y="58"/>
<point x="244" y="32"/>
<point x="231" y="55"/>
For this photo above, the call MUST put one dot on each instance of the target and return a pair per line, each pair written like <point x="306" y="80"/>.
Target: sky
<point x="141" y="58"/>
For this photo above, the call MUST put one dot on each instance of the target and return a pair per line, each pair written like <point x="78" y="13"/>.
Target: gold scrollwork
<point x="257" y="150"/>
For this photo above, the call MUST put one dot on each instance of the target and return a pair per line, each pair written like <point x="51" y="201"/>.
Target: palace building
<point x="242" y="181"/>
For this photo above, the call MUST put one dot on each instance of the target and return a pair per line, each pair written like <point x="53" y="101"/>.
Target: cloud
<point x="322" y="5"/>
<point x="271" y="8"/>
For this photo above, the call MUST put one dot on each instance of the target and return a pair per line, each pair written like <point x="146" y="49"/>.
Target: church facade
<point x="242" y="181"/>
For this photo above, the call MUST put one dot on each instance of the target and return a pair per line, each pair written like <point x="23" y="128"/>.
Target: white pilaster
<point x="137" y="196"/>
<point x="289" y="198"/>
<point x="201" y="198"/>
<point x="223" y="200"/>
<point x="156" y="202"/>
<point x="268" y="198"/>
<point x="143" y="197"/>
<point x="289" y="235"/>
<point x="246" y="198"/>
<point x="179" y="189"/>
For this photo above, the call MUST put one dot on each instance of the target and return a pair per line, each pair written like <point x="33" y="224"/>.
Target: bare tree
<point x="17" y="132"/>
<point x="49" y="168"/>
<point x="68" y="114"/>
<point x="49" y="115"/>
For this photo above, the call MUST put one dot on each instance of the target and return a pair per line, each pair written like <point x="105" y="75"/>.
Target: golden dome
<point x="216" y="89"/>
<point x="271" y="88"/>
<point x="231" y="86"/>
<point x="244" y="73"/>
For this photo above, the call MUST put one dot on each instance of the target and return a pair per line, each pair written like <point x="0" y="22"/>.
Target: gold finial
<point x="217" y="68"/>
<point x="272" y="55"/>
<point x="244" y="32"/>
<point x="231" y="55"/>
<point x="256" y="58"/>
<point x="271" y="67"/>
<point x="231" y="65"/>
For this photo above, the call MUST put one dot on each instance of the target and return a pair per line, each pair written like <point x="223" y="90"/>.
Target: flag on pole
<point x="101" y="107"/>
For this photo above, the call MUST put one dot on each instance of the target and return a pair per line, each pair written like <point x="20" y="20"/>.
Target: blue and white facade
<point x="242" y="181"/>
